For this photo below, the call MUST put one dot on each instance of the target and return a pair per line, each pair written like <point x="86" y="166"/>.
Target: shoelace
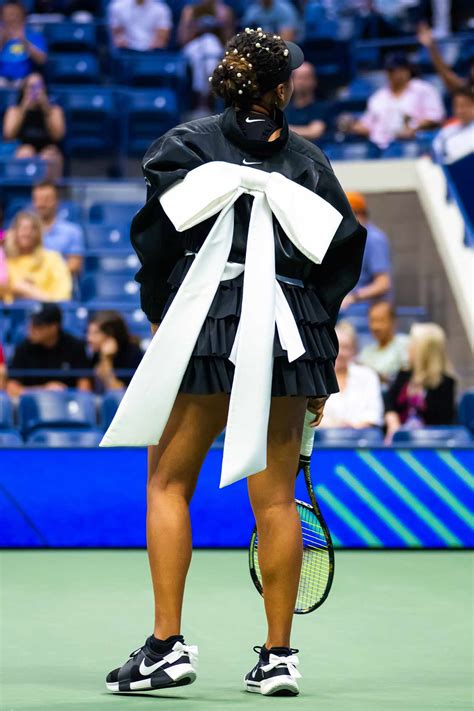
<point x="178" y="650"/>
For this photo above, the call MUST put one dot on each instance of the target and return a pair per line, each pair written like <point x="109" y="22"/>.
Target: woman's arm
<point x="392" y="421"/>
<point x="55" y="122"/>
<point x="450" y="78"/>
<point x="12" y="121"/>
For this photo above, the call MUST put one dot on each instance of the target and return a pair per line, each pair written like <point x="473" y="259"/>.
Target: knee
<point x="25" y="151"/>
<point x="274" y="508"/>
<point x="170" y="481"/>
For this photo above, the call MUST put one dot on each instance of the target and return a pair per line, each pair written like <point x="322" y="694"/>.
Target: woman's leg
<point x="272" y="496"/>
<point x="25" y="151"/>
<point x="173" y="469"/>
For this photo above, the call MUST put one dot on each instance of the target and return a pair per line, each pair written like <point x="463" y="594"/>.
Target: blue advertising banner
<point x="370" y="497"/>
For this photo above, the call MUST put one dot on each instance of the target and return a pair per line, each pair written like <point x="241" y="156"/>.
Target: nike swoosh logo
<point x="146" y="671"/>
<point x="249" y="120"/>
<point x="252" y="162"/>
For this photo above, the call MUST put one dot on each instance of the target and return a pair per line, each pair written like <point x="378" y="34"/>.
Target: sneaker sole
<point x="147" y="684"/>
<point x="279" y="686"/>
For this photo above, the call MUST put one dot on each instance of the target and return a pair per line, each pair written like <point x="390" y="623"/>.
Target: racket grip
<point x="307" y="439"/>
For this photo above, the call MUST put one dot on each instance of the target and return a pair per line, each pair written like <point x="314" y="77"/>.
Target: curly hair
<point x="251" y="58"/>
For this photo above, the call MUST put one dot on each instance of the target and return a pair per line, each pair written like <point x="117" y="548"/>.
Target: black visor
<point x="295" y="60"/>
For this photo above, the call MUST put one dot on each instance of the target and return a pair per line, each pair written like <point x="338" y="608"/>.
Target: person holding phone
<point x="21" y="49"/>
<point x="37" y="123"/>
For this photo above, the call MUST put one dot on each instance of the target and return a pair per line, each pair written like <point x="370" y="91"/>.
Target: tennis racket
<point x="317" y="569"/>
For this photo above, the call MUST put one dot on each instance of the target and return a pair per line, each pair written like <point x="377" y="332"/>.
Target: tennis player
<point x="247" y="247"/>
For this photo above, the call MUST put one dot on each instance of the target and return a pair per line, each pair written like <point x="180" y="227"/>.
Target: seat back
<point x="10" y="438"/>
<point x="6" y="411"/>
<point x="68" y="408"/>
<point x="101" y="237"/>
<point x="466" y="410"/>
<point x="449" y="436"/>
<point x="64" y="438"/>
<point x="344" y="436"/>
<point x="110" y="403"/>
<point x="73" y="68"/>
<point x="113" y="213"/>
<point x="109" y="288"/>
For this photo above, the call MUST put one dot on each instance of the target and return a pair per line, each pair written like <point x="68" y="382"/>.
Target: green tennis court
<point x="395" y="634"/>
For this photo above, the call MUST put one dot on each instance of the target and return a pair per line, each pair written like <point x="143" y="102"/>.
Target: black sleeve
<point x="340" y="269"/>
<point x="440" y="403"/>
<point x="153" y="236"/>
<point x="391" y="396"/>
<point x="20" y="361"/>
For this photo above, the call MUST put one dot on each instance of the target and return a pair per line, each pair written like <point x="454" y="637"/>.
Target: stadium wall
<point x="372" y="498"/>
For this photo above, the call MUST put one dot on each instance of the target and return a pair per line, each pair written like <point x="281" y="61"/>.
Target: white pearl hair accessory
<point x="257" y="44"/>
<point x="236" y="51"/>
<point x="239" y="74"/>
<point x="210" y="78"/>
<point x="220" y="66"/>
<point x="240" y="91"/>
<point x="285" y="52"/>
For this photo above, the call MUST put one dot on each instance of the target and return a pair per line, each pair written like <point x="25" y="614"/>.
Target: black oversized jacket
<point x="188" y="146"/>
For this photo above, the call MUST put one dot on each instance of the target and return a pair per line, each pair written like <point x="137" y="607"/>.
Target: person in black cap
<point x="240" y="154"/>
<point x="48" y="347"/>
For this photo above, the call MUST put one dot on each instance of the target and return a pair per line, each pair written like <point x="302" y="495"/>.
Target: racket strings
<point x="316" y="563"/>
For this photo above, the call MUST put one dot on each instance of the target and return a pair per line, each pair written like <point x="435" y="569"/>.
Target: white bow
<point x="179" y="649"/>
<point x="291" y="662"/>
<point x="310" y="223"/>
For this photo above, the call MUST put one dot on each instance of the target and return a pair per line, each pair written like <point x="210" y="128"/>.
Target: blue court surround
<point x="374" y="497"/>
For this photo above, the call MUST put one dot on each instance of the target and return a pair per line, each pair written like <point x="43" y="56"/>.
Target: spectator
<point x="375" y="281"/>
<point x="358" y="404"/>
<point x="36" y="123"/>
<point x="21" y="48"/>
<point x="305" y="115"/>
<point x="203" y="53"/>
<point x="273" y="16"/>
<point x="58" y="234"/>
<point x="34" y="272"/>
<point x="48" y="347"/>
<point x="401" y="109"/>
<point x="191" y="20"/>
<point x="389" y="352"/>
<point x="3" y="369"/>
<point x="112" y="349"/>
<point x="452" y="80"/>
<point x="141" y="25"/>
<point x="456" y="139"/>
<point x="424" y="394"/>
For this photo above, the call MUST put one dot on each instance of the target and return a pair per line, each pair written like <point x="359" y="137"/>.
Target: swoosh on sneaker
<point x="252" y="162"/>
<point x="249" y="120"/>
<point x="147" y="670"/>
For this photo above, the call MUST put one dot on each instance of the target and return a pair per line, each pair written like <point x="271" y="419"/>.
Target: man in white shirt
<point x="141" y="25"/>
<point x="456" y="139"/>
<point x="405" y="106"/>
<point x="359" y="402"/>
<point x="388" y="354"/>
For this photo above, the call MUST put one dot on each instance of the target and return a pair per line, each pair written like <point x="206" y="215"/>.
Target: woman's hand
<point x="316" y="406"/>
<point x="109" y="347"/>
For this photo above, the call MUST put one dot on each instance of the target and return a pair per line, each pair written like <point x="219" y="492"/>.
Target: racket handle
<point x="307" y="440"/>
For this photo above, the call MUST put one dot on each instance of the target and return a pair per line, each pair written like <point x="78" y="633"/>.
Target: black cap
<point x="295" y="60"/>
<point x="397" y="61"/>
<point x="46" y="314"/>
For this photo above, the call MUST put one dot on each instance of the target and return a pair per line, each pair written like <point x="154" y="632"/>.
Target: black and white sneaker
<point x="275" y="673"/>
<point x="147" y="669"/>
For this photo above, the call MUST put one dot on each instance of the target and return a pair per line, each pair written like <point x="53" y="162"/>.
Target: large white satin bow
<point x="291" y="662"/>
<point x="310" y="222"/>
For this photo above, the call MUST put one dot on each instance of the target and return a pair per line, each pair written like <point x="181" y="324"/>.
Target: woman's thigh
<point x="25" y="151"/>
<point x="194" y="423"/>
<point x="276" y="484"/>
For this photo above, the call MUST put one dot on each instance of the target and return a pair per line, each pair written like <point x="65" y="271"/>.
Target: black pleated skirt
<point x="210" y="371"/>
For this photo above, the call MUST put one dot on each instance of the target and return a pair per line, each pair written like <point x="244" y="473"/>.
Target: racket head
<point x="317" y="569"/>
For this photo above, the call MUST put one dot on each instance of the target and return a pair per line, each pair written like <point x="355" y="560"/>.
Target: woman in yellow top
<point x="33" y="272"/>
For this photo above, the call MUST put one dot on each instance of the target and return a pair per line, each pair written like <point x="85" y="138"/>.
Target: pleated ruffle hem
<point x="210" y="370"/>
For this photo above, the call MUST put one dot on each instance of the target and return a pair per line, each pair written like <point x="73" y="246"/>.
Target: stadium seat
<point x="77" y="68"/>
<point x="6" y="411"/>
<point x="449" y="436"/>
<point x="65" y="438"/>
<point x="346" y="437"/>
<point x="75" y="320"/>
<point x="126" y="263"/>
<point x="23" y="171"/>
<point x="71" y="36"/>
<point x="91" y="118"/>
<point x="104" y="237"/>
<point x="149" y="113"/>
<point x="360" y="150"/>
<point x="45" y="408"/>
<point x="108" y="290"/>
<point x="466" y="410"/>
<point x="10" y="438"/>
<point x="403" y="149"/>
<point x="113" y="213"/>
<point x="137" y="323"/>
<point x="159" y="69"/>
<point x="110" y="403"/>
<point x="67" y="210"/>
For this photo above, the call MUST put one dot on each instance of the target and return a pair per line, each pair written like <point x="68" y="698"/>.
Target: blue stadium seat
<point x="6" y="411"/>
<point x="449" y="436"/>
<point x="73" y="68"/>
<point x="345" y="437"/>
<point x="75" y="320"/>
<point x="10" y="438"/>
<point x="71" y="36"/>
<point x="7" y="149"/>
<point x="403" y="149"/>
<point x="110" y="403"/>
<point x="113" y="263"/>
<point x="137" y="323"/>
<point x="317" y="24"/>
<point x="361" y="150"/>
<point x="466" y="410"/>
<point x="65" y="438"/>
<point x="105" y="237"/>
<point x="91" y="117"/>
<point x="68" y="408"/>
<point x="67" y="210"/>
<point x="159" y="69"/>
<point x="23" y="171"/>
<point x="108" y="290"/>
<point x="149" y="113"/>
<point x="113" y="213"/>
